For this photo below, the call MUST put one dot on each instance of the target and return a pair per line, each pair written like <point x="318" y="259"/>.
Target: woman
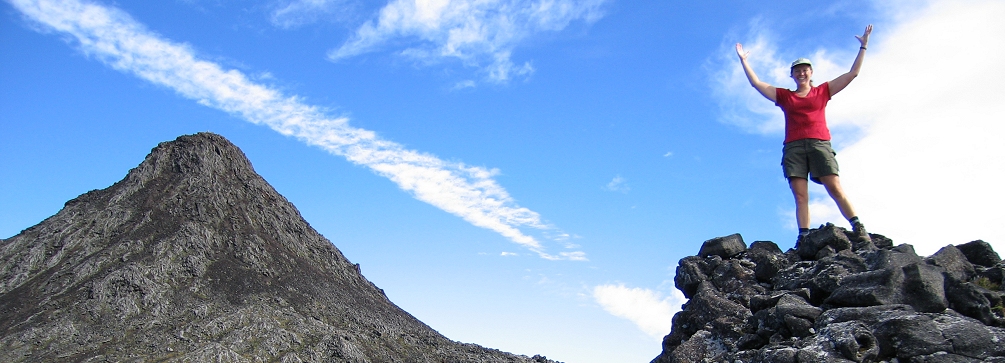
<point x="807" y="149"/>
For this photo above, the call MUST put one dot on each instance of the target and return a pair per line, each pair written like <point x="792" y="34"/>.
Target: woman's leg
<point x="833" y="185"/>
<point x="800" y="190"/>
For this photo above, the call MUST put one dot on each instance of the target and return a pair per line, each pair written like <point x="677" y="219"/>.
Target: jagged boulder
<point x="980" y="253"/>
<point x="895" y="257"/>
<point x="823" y="241"/>
<point x="691" y="272"/>
<point x="848" y="341"/>
<point x="919" y="285"/>
<point x="975" y="301"/>
<point x="833" y="300"/>
<point x="724" y="247"/>
<point x="954" y="261"/>
<point x="768" y="259"/>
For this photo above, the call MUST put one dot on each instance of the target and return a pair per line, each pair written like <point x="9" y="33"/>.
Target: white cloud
<point x="928" y="169"/>
<point x="618" y="184"/>
<point x="464" y="85"/>
<point x="918" y="132"/>
<point x="479" y="33"/>
<point x="739" y="104"/>
<point x="573" y="256"/>
<point x="647" y="309"/>
<point x="294" y="13"/>
<point x="116" y="39"/>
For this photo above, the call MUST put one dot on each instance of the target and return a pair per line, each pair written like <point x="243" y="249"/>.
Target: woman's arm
<point x="766" y="90"/>
<point x="843" y="80"/>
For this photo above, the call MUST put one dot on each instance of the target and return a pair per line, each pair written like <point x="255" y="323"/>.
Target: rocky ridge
<point x="833" y="299"/>
<point x="193" y="257"/>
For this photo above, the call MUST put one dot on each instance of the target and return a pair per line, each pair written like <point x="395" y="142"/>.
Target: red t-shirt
<point x="804" y="116"/>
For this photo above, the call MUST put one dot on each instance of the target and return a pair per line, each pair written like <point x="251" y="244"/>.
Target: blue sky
<point x="521" y="174"/>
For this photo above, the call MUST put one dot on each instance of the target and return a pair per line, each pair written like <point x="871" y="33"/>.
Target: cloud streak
<point x="113" y="37"/>
<point x="647" y="309"/>
<point x="479" y="33"/>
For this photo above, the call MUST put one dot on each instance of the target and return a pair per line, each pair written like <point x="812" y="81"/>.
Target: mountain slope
<point x="194" y="257"/>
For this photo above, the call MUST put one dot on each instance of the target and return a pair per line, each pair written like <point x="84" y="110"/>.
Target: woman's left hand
<point x="864" y="39"/>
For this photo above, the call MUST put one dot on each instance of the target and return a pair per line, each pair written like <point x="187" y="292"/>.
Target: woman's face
<point x="802" y="73"/>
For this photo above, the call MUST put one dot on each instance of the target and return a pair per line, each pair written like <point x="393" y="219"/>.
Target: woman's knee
<point x="833" y="185"/>
<point x="800" y="190"/>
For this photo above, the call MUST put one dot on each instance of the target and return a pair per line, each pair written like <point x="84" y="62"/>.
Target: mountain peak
<point x="202" y="155"/>
<point x="194" y="257"/>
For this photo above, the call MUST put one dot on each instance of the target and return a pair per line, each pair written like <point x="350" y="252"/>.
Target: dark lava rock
<point x="924" y="288"/>
<point x="820" y="279"/>
<point x="971" y="300"/>
<point x="193" y="257"/>
<point x="943" y="357"/>
<point x="829" y="300"/>
<point x="707" y="305"/>
<point x="767" y="258"/>
<point x="895" y="257"/>
<point x="868" y="315"/>
<point x="980" y="253"/>
<point x="828" y="239"/>
<point x="995" y="275"/>
<point x="881" y="241"/>
<point x="790" y="304"/>
<point x="691" y="272"/>
<point x="724" y="247"/>
<point x="907" y="336"/>
<point x="956" y="264"/>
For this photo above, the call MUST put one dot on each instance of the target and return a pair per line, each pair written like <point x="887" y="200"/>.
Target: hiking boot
<point x="858" y="229"/>
<point x="799" y="239"/>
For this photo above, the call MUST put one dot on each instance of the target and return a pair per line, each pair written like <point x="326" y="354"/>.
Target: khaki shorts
<point x="809" y="156"/>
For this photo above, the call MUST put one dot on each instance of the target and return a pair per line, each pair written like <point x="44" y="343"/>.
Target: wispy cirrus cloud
<point x="295" y="13"/>
<point x="478" y="33"/>
<point x="917" y="132"/>
<point x="113" y="37"/>
<point x="618" y="184"/>
<point x="647" y="309"/>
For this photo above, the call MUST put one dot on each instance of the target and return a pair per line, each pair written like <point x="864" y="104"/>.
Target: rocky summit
<point x="833" y="298"/>
<point x="193" y="257"/>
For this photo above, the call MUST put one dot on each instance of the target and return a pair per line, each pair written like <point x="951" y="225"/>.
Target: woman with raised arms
<point x="807" y="153"/>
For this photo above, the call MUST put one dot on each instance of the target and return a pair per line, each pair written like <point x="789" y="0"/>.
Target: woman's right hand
<point x="766" y="90"/>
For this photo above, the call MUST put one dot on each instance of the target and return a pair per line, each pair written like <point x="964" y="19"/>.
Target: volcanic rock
<point x="956" y="264"/>
<point x="193" y="257"/>
<point x="980" y="253"/>
<point x="724" y="247"/>
<point x="831" y="300"/>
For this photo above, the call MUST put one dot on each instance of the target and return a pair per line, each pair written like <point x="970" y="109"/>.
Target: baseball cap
<point x="801" y="61"/>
